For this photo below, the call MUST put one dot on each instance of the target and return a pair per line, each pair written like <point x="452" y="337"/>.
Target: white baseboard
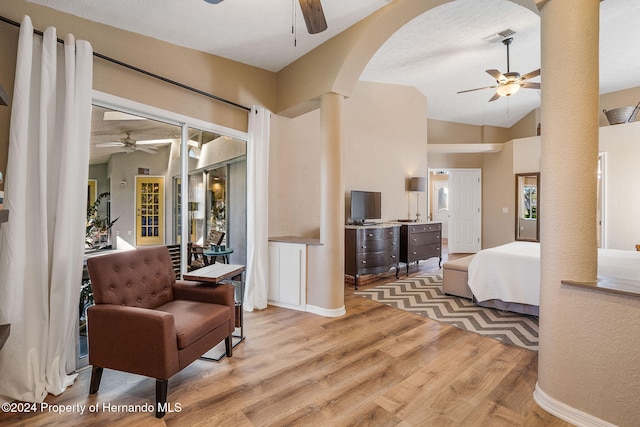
<point x="285" y="305"/>
<point x="337" y="312"/>
<point x="566" y="412"/>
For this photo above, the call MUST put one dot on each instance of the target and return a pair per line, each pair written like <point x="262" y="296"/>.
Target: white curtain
<point x="257" y="275"/>
<point x="41" y="247"/>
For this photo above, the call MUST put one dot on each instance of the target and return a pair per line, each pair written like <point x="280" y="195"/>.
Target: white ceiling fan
<point x="509" y="82"/>
<point x="130" y="145"/>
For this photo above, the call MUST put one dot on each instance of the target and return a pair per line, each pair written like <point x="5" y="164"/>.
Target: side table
<point x="218" y="273"/>
<point x="214" y="254"/>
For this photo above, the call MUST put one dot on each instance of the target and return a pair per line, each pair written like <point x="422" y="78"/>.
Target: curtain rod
<point x="140" y="70"/>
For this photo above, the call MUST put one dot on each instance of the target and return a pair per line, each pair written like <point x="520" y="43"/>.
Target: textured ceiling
<point x="255" y="32"/>
<point x="441" y="52"/>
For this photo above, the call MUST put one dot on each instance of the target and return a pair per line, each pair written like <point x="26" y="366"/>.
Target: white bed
<point x="509" y="275"/>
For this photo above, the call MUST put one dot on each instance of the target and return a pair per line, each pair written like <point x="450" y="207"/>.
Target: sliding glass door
<point x="216" y="191"/>
<point x="151" y="171"/>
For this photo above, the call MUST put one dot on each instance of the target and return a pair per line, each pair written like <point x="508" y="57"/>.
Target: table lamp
<point x="418" y="184"/>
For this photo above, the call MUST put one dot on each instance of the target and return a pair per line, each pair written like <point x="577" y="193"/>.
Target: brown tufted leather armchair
<point x="147" y="323"/>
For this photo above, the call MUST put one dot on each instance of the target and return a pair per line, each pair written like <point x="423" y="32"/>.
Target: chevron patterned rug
<point x="423" y="295"/>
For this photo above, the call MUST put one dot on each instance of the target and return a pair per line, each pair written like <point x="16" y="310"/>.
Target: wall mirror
<point x="527" y="206"/>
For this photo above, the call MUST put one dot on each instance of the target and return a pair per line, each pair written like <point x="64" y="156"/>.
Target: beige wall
<point x="385" y="134"/>
<point x="294" y="176"/>
<point x="498" y="192"/>
<point x="527" y="126"/>
<point x="385" y="143"/>
<point x="526" y="155"/>
<point x="443" y="132"/>
<point x="621" y="143"/>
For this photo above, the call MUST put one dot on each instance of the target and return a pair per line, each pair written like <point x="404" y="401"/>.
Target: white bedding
<point x="511" y="272"/>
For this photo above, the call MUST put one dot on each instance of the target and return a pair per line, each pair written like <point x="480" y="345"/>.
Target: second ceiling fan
<point x="130" y="145"/>
<point x="509" y="82"/>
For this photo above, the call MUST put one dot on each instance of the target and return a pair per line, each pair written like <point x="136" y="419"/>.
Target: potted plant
<point x="98" y="227"/>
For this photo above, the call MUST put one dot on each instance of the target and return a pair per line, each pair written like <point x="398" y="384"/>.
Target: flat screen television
<point x="365" y="206"/>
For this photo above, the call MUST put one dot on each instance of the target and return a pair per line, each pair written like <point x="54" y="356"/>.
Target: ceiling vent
<point x="498" y="37"/>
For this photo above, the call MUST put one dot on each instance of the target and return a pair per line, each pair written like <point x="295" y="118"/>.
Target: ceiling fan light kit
<point x="509" y="82"/>
<point x="508" y="89"/>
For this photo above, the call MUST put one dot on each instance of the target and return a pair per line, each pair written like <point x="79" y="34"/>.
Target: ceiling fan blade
<point x="110" y="144"/>
<point x="531" y="74"/>
<point x="154" y="141"/>
<point x="149" y="150"/>
<point x="494" y="97"/>
<point x="497" y="75"/>
<point x="313" y="16"/>
<point x="531" y="85"/>
<point x="478" y="88"/>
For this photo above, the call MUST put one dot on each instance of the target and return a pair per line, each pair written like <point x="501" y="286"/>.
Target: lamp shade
<point x="418" y="183"/>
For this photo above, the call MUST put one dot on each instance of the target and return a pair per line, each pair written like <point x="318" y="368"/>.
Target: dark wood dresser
<point x="420" y="241"/>
<point x="371" y="249"/>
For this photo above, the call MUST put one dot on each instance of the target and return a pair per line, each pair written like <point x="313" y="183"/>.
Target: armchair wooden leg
<point x="161" y="397"/>
<point x="96" y="376"/>
<point x="228" y="345"/>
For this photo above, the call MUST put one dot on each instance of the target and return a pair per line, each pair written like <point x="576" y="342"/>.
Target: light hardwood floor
<point x="375" y="366"/>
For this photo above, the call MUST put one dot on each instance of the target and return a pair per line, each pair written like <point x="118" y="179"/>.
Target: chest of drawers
<point x="371" y="250"/>
<point x="420" y="242"/>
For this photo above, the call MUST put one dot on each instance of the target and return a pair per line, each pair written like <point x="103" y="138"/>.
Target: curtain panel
<point x="257" y="276"/>
<point x="41" y="247"/>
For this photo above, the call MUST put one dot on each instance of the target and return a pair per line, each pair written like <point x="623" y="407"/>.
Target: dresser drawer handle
<point x="414" y="253"/>
<point x="437" y="236"/>
<point x="370" y="234"/>
<point x="364" y="246"/>
<point x="438" y="249"/>
<point x="414" y="239"/>
<point x="364" y="261"/>
<point x="393" y="256"/>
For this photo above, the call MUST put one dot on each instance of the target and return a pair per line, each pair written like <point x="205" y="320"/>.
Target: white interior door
<point x="465" y="210"/>
<point x="441" y="205"/>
